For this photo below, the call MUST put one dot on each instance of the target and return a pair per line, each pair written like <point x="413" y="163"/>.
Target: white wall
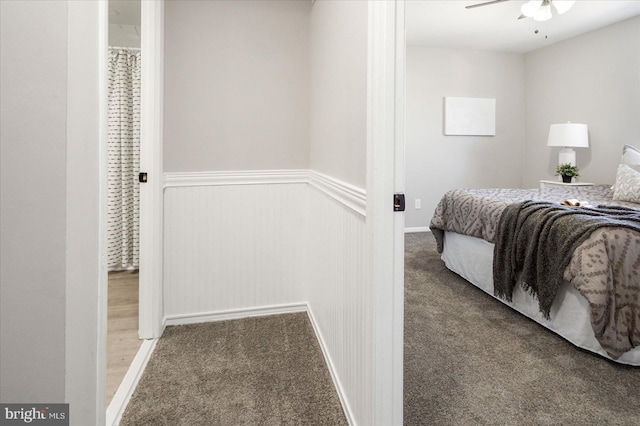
<point x="33" y="218"/>
<point x="339" y="90"/>
<point x="236" y="85"/>
<point x="339" y="295"/>
<point x="436" y="163"/>
<point x="594" y="79"/>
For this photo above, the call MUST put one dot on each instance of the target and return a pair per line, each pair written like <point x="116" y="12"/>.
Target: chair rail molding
<point x="349" y="195"/>
<point x="244" y="177"/>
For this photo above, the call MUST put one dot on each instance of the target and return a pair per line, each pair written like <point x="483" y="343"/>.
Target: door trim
<point x="151" y="161"/>
<point x="385" y="233"/>
<point x="399" y="218"/>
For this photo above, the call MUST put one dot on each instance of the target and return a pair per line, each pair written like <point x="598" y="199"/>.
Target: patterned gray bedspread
<point x="605" y="268"/>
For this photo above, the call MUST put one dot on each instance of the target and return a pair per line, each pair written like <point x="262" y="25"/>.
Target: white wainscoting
<point x="232" y="245"/>
<point x="340" y="300"/>
<point x="264" y="242"/>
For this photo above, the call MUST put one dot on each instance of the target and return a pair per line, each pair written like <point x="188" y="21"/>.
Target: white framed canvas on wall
<point x="469" y="116"/>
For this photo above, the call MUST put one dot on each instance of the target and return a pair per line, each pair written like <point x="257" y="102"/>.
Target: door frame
<point x="385" y="228"/>
<point x="151" y="314"/>
<point x="86" y="211"/>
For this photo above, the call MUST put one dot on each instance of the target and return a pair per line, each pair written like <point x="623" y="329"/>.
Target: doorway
<point x="123" y="215"/>
<point x="150" y="314"/>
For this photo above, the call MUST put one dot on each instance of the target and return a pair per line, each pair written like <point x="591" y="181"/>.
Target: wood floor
<point x="122" y="327"/>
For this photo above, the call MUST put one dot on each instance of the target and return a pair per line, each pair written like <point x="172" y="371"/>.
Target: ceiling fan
<point x="539" y="10"/>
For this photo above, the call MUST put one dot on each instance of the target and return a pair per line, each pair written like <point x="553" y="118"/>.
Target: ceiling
<point x="446" y="23"/>
<point x="124" y="12"/>
<point x="496" y="27"/>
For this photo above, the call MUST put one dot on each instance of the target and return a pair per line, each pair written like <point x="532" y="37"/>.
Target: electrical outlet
<point x="418" y="204"/>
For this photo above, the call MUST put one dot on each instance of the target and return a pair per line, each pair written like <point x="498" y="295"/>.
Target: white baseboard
<point x="234" y="314"/>
<point x="332" y="370"/>
<point x="417" y="229"/>
<point x="129" y="382"/>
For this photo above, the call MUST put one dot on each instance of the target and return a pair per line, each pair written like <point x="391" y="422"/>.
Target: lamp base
<point x="567" y="155"/>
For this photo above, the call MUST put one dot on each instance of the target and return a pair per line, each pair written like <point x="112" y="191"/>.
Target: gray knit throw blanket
<point x="535" y="241"/>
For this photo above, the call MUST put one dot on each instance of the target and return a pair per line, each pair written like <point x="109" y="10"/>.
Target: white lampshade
<point x="568" y="136"/>
<point x="573" y="135"/>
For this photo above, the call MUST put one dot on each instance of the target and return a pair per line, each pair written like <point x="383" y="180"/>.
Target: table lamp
<point x="568" y="136"/>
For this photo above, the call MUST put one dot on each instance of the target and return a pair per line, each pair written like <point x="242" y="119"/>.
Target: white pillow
<point x="627" y="186"/>
<point x="631" y="156"/>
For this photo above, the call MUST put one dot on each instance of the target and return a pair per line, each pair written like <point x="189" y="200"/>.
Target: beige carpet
<point x="470" y="360"/>
<point x="255" y="371"/>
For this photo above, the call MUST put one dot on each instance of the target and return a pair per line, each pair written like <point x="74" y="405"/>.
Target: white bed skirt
<point x="472" y="259"/>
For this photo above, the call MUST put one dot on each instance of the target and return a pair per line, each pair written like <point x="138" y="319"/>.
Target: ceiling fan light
<point x="530" y="8"/>
<point x="562" y="5"/>
<point x="543" y="13"/>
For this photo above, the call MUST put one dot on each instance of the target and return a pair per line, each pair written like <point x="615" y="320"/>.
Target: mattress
<point x="472" y="258"/>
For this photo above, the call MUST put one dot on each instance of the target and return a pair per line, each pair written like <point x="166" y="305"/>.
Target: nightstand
<point x="557" y="184"/>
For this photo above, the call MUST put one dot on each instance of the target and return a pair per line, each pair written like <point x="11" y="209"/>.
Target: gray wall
<point x="257" y="85"/>
<point x="236" y="85"/>
<point x="592" y="79"/>
<point x="339" y="90"/>
<point x="436" y="163"/>
<point x="50" y="268"/>
<point x="33" y="208"/>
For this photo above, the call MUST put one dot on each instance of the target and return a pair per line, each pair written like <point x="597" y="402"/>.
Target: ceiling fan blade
<point x="484" y="4"/>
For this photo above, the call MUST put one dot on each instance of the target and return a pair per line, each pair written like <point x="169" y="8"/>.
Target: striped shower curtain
<point x="123" y="159"/>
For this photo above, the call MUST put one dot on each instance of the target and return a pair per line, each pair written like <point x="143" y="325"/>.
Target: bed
<point x="582" y="285"/>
